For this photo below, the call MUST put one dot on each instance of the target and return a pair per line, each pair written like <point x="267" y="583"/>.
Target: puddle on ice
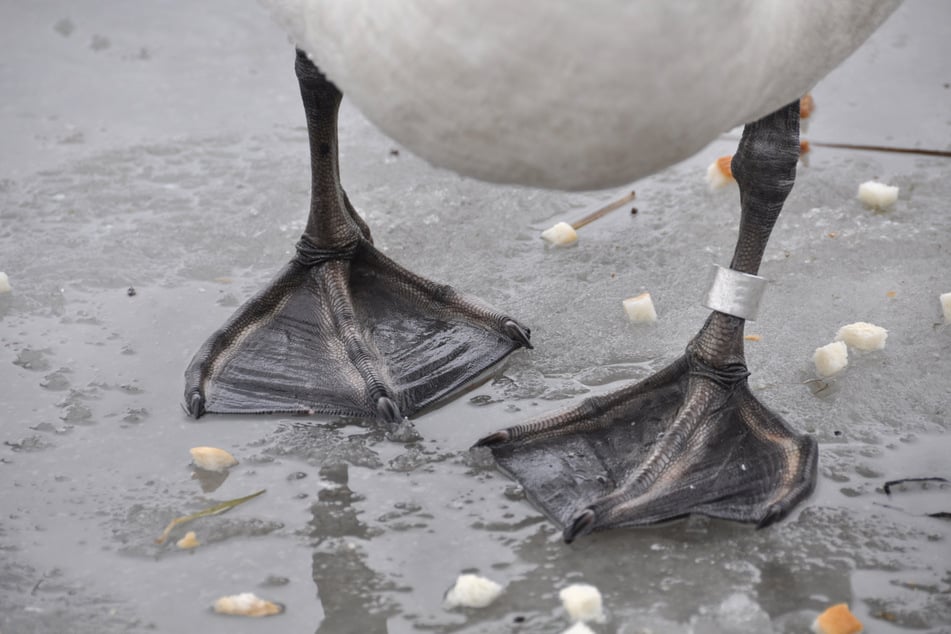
<point x="365" y="530"/>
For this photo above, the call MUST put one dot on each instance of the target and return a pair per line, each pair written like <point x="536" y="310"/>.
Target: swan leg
<point x="692" y="438"/>
<point x="343" y="329"/>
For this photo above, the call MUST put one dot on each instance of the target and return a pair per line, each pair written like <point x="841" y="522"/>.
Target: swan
<point x="563" y="95"/>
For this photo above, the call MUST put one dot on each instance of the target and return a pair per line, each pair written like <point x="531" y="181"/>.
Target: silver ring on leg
<point x="734" y="293"/>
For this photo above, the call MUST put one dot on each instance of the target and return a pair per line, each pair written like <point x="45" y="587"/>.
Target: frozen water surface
<point x="161" y="146"/>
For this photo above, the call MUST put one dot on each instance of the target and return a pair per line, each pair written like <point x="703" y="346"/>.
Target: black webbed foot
<point x="354" y="335"/>
<point x="679" y="442"/>
<point x="691" y="438"/>
<point x="343" y="329"/>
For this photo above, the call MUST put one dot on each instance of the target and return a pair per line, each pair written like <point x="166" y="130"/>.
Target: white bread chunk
<point x="582" y="602"/>
<point x="472" y="591"/>
<point x="831" y="358"/>
<point x="212" y="458"/>
<point x="862" y="336"/>
<point x="945" y="299"/>
<point x="247" y="604"/>
<point x="4" y="283"/>
<point x="877" y="195"/>
<point x="640" y="309"/>
<point x="190" y="540"/>
<point x="562" y="234"/>
<point x="837" y="620"/>
<point x="720" y="173"/>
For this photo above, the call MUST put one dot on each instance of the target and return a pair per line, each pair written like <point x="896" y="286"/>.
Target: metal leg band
<point x="734" y="293"/>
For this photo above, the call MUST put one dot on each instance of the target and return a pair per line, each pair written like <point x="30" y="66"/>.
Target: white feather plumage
<point x="567" y="94"/>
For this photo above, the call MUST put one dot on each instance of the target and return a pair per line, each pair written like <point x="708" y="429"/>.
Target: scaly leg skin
<point x="343" y="329"/>
<point x="692" y="438"/>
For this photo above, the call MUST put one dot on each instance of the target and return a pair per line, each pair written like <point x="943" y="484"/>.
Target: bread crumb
<point x="212" y="458"/>
<point x="562" y="234"/>
<point x="190" y="540"/>
<point x="806" y="106"/>
<point x="878" y="195"/>
<point x="640" y="309"/>
<point x="862" y="336"/>
<point x="837" y="620"/>
<point x="752" y="337"/>
<point x="831" y="358"/>
<point x="4" y="283"/>
<point x="832" y="234"/>
<point x="472" y="591"/>
<point x="719" y="173"/>
<point x="945" y="299"/>
<point x="582" y="601"/>
<point x="247" y="604"/>
<point x="891" y="294"/>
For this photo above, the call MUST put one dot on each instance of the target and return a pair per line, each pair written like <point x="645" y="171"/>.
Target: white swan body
<point x="569" y="94"/>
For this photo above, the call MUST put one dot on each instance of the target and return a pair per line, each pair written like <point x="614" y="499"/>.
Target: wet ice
<point x="158" y="174"/>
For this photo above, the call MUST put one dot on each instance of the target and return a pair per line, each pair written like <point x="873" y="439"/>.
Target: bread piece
<point x="562" y="234"/>
<point x="247" y="604"/>
<point x="472" y="591"/>
<point x="640" y="309"/>
<point x="877" y="195"/>
<point x="945" y="299"/>
<point x="583" y="602"/>
<point x="719" y="173"/>
<point x="862" y="336"/>
<point x="831" y="358"/>
<point x="837" y="620"/>
<point x="806" y="106"/>
<point x="212" y="458"/>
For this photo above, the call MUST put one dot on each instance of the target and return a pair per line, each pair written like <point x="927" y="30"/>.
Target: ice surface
<point x="173" y="161"/>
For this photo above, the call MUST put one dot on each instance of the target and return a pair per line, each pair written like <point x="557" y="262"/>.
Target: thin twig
<point x="594" y="215"/>
<point x="221" y="507"/>
<point x="883" y="148"/>
<point x="871" y="148"/>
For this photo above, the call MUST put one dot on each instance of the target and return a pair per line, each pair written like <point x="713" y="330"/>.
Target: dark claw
<point x="196" y="405"/>
<point x="773" y="514"/>
<point x="581" y="526"/>
<point x="517" y="333"/>
<point x="493" y="439"/>
<point x="387" y="410"/>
